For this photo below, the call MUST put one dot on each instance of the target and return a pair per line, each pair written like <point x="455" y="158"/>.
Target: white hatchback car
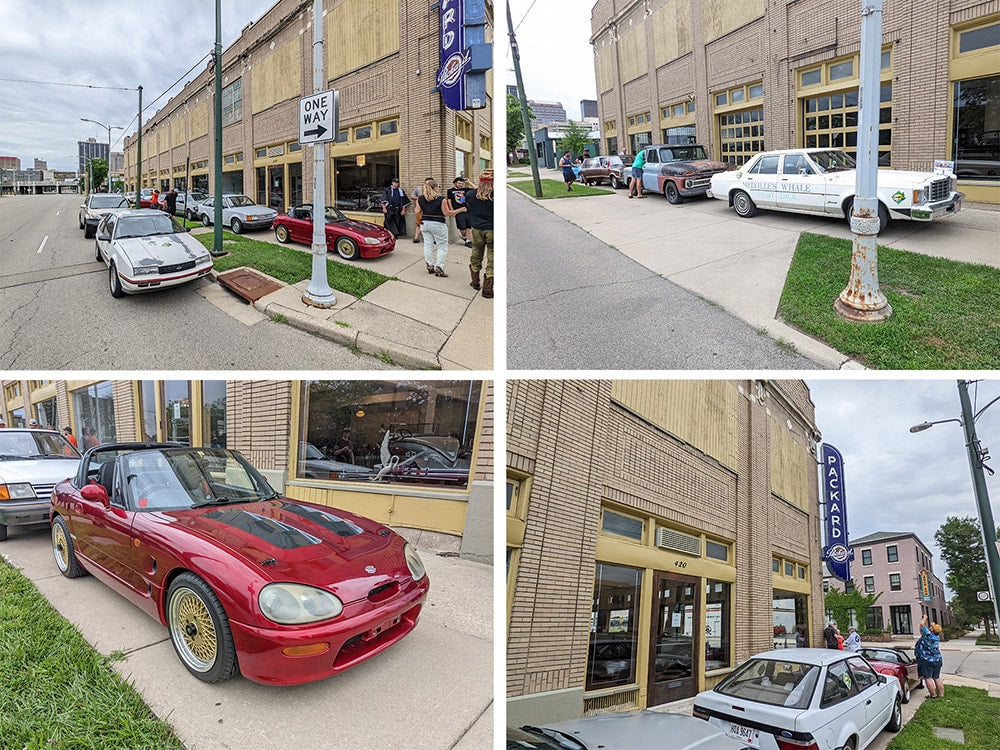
<point x="146" y="250"/>
<point x="32" y="462"/>
<point x="804" y="699"/>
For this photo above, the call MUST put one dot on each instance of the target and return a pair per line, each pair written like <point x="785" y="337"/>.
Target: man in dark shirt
<point x="171" y="199"/>
<point x="456" y="194"/>
<point x="479" y="206"/>
<point x="830" y="635"/>
<point x="394" y="203"/>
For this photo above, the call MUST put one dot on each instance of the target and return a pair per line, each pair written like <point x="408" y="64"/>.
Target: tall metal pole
<point x="862" y="300"/>
<point x="523" y="99"/>
<point x="982" y="497"/>
<point x="217" y="200"/>
<point x="319" y="293"/>
<point x="138" y="163"/>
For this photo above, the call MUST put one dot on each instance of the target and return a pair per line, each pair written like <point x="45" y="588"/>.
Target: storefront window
<point x="200" y="182"/>
<point x="94" y="415"/>
<point x="417" y="432"/>
<point x="718" y="611"/>
<point x="46" y="411"/>
<point x="295" y="184"/>
<point x="177" y="411"/>
<point x="360" y="180"/>
<point x="790" y="615"/>
<point x="975" y="137"/>
<point x="614" y="627"/>
<point x="213" y="413"/>
<point x="684" y="134"/>
<point x="148" y="426"/>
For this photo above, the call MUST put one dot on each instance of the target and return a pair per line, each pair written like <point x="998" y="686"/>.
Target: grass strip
<point x="554" y="189"/>
<point x="289" y="264"/>
<point x="57" y="691"/>
<point x="965" y="708"/>
<point x="946" y="314"/>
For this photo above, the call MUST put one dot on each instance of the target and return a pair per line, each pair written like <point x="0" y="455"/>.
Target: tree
<point x="97" y="172"/>
<point x="961" y="543"/>
<point x="515" y="124"/>
<point x="575" y="140"/>
<point x="841" y="602"/>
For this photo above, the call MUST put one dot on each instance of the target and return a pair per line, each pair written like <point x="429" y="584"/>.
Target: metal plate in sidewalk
<point x="248" y="284"/>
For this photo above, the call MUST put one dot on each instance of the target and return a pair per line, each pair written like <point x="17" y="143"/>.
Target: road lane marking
<point x="57" y="213"/>
<point x="42" y="245"/>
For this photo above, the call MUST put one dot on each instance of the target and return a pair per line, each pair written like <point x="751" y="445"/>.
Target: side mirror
<point x="95" y="493"/>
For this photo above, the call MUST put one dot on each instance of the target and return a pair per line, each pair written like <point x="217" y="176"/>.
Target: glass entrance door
<point x="276" y="187"/>
<point x="673" y="638"/>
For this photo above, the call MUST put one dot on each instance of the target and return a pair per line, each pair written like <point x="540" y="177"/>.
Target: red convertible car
<point x="245" y="580"/>
<point x="350" y="238"/>
<point x="897" y="663"/>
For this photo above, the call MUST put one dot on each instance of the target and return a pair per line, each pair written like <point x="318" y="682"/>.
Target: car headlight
<point x="202" y="259"/>
<point x="20" y="491"/>
<point x="414" y="563"/>
<point x="919" y="196"/>
<point x="372" y="241"/>
<point x="145" y="270"/>
<point x="295" y="603"/>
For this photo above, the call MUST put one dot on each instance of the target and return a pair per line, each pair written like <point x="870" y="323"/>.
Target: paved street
<point x="439" y="678"/>
<point x="575" y="302"/>
<point x="56" y="311"/>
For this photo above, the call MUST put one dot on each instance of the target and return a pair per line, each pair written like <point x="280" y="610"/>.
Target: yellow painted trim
<point x="137" y="408"/>
<point x="293" y="428"/>
<point x="980" y="192"/>
<point x="158" y="410"/>
<point x="515" y="532"/>
<point x="195" y="414"/>
<point x="612" y="551"/>
<point x="512" y="568"/>
<point x="371" y="145"/>
<point x="792" y="585"/>
<point x="364" y="216"/>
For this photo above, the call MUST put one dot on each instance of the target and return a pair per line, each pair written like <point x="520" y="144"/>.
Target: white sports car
<point x="822" y="181"/>
<point x="147" y="250"/>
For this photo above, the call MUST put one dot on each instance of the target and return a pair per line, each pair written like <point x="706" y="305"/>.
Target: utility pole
<point x="138" y="163"/>
<point x="523" y="99"/>
<point x="217" y="193"/>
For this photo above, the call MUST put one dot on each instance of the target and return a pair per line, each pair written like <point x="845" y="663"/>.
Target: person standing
<point x="344" y="450"/>
<point x="68" y="432"/>
<point x="171" y="200"/>
<point x="800" y="638"/>
<point x="435" y="208"/>
<point x="394" y="203"/>
<point x="853" y="640"/>
<point x="154" y="199"/>
<point x="479" y="204"/>
<point x="456" y="195"/>
<point x="90" y="439"/>
<point x="830" y="635"/>
<point x="566" y="164"/>
<point x="415" y="198"/>
<point x="928" y="653"/>
<point x="635" y="187"/>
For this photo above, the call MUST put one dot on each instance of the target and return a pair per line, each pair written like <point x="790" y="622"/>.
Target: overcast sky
<point x="557" y="61"/>
<point x="898" y="481"/>
<point x="98" y="43"/>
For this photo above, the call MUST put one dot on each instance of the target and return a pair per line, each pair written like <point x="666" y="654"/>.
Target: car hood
<point x="626" y="731"/>
<point x="363" y="228"/>
<point x="697" y="166"/>
<point x="301" y="542"/>
<point x="37" y="470"/>
<point x="887" y="178"/>
<point x="261" y="211"/>
<point x="106" y="211"/>
<point x="161" y="249"/>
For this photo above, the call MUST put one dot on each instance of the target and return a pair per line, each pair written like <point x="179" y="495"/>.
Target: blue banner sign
<point x="455" y="58"/>
<point x="837" y="554"/>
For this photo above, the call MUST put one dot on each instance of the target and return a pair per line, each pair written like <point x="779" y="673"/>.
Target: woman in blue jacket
<point x="928" y="653"/>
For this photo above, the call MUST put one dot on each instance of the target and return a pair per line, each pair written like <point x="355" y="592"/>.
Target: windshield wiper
<point x="564" y="740"/>
<point x="11" y="457"/>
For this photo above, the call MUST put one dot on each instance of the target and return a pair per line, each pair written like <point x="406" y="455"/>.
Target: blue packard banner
<point x="836" y="553"/>
<point x="465" y="54"/>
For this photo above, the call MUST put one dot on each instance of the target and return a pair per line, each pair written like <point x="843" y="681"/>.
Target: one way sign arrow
<point x="317" y="132"/>
<point x="319" y="117"/>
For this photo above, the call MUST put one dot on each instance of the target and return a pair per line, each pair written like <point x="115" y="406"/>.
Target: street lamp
<point x="109" y="129"/>
<point x="977" y="462"/>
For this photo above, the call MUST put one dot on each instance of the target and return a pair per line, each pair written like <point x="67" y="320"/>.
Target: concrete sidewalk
<point x="414" y="320"/>
<point x="431" y="691"/>
<point x="741" y="264"/>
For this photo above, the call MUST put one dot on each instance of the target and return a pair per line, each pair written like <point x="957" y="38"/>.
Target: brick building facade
<point x="381" y="55"/>
<point x="658" y="533"/>
<point x="890" y="564"/>
<point x="280" y="425"/>
<point x="748" y="76"/>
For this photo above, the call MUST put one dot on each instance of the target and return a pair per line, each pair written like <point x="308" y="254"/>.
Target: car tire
<point x="896" y="720"/>
<point x="205" y="221"/>
<point x="671" y="193"/>
<point x="88" y="232"/>
<point x="743" y="205"/>
<point x="81" y="222"/>
<point x="114" y="283"/>
<point x="347" y="248"/>
<point x="237" y="226"/>
<point x="281" y="234"/>
<point x="3" y="533"/>
<point x="63" y="550"/>
<point x="883" y="214"/>
<point x="615" y="182"/>
<point x="97" y="252"/>
<point x="199" y="630"/>
<point x="906" y="694"/>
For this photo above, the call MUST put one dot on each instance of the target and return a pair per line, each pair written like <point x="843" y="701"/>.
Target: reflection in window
<point x="177" y="411"/>
<point x="420" y="432"/>
<point x="616" y="523"/>
<point x="46" y="411"/>
<point x="360" y="180"/>
<point x="975" y="137"/>
<point x="614" y="627"/>
<point x="718" y="607"/>
<point x="213" y="413"/>
<point x="94" y="415"/>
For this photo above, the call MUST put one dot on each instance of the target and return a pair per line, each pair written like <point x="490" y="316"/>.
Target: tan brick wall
<point x="483" y="470"/>
<point x="262" y="412"/>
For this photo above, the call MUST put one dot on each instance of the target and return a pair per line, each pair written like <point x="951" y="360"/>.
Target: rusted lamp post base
<point x="862" y="301"/>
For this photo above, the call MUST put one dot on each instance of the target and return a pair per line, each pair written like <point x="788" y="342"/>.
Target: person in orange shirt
<point x="68" y="432"/>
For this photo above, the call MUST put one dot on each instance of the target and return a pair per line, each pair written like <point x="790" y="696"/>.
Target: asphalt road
<point x="56" y="311"/>
<point x="574" y="302"/>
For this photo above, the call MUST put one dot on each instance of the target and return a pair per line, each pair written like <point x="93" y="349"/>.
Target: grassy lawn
<point x="519" y="174"/>
<point x="290" y="265"/>
<point x="55" y="690"/>
<point x="968" y="709"/>
<point x="554" y="189"/>
<point x="946" y="314"/>
<point x="987" y="640"/>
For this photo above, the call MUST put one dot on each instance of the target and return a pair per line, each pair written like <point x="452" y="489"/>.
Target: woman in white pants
<point x="434" y="208"/>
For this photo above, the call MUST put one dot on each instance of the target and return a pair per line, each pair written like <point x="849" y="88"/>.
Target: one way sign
<point x="319" y="115"/>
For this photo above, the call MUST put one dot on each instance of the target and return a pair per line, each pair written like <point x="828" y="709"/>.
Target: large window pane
<point x="213" y="413"/>
<point x="718" y="608"/>
<point x="360" y="180"/>
<point x="94" y="415"/>
<point x="419" y="432"/>
<point x="46" y="411"/>
<point x="976" y="129"/>
<point x="614" y="626"/>
<point x="177" y="411"/>
<point x="147" y="427"/>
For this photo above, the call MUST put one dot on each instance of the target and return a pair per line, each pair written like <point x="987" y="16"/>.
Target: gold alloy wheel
<point x="193" y="630"/>
<point x="60" y="547"/>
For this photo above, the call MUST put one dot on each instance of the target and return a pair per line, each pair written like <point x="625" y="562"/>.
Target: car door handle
<point x="868" y="702"/>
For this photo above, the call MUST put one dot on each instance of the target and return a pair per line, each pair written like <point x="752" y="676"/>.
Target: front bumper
<point x="359" y="633"/>
<point x="937" y="210"/>
<point x="151" y="283"/>
<point x="24" y="513"/>
<point x="256" y="223"/>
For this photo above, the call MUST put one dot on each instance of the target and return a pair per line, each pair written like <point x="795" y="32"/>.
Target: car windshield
<point x="146" y="225"/>
<point x="197" y="197"/>
<point x="310" y="451"/>
<point x="241" y="200"/>
<point x="542" y="738"/>
<point x="333" y="215"/>
<point x="178" y="478"/>
<point x="774" y="682"/>
<point x="832" y="161"/>
<point x="17" y="446"/>
<point x="108" y="201"/>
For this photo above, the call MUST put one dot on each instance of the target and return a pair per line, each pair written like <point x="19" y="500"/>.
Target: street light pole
<point x="109" y="128"/>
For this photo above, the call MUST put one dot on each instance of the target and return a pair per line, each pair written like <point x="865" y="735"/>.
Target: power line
<point x="60" y="83"/>
<point x="524" y="16"/>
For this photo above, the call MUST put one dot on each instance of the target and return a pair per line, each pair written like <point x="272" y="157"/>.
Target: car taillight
<point x="787" y="744"/>
<point x="699" y="713"/>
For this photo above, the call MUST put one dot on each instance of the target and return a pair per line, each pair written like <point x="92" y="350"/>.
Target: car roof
<point x="29" y="429"/>
<point x="682" y="145"/>
<point x="819" y="657"/>
<point x="143" y="212"/>
<point x="634" y="729"/>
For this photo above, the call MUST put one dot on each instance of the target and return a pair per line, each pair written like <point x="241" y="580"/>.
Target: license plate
<point x="744" y="734"/>
<point x="375" y="632"/>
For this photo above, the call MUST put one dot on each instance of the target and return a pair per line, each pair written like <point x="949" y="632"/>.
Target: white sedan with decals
<point x="146" y="250"/>
<point x="822" y="181"/>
